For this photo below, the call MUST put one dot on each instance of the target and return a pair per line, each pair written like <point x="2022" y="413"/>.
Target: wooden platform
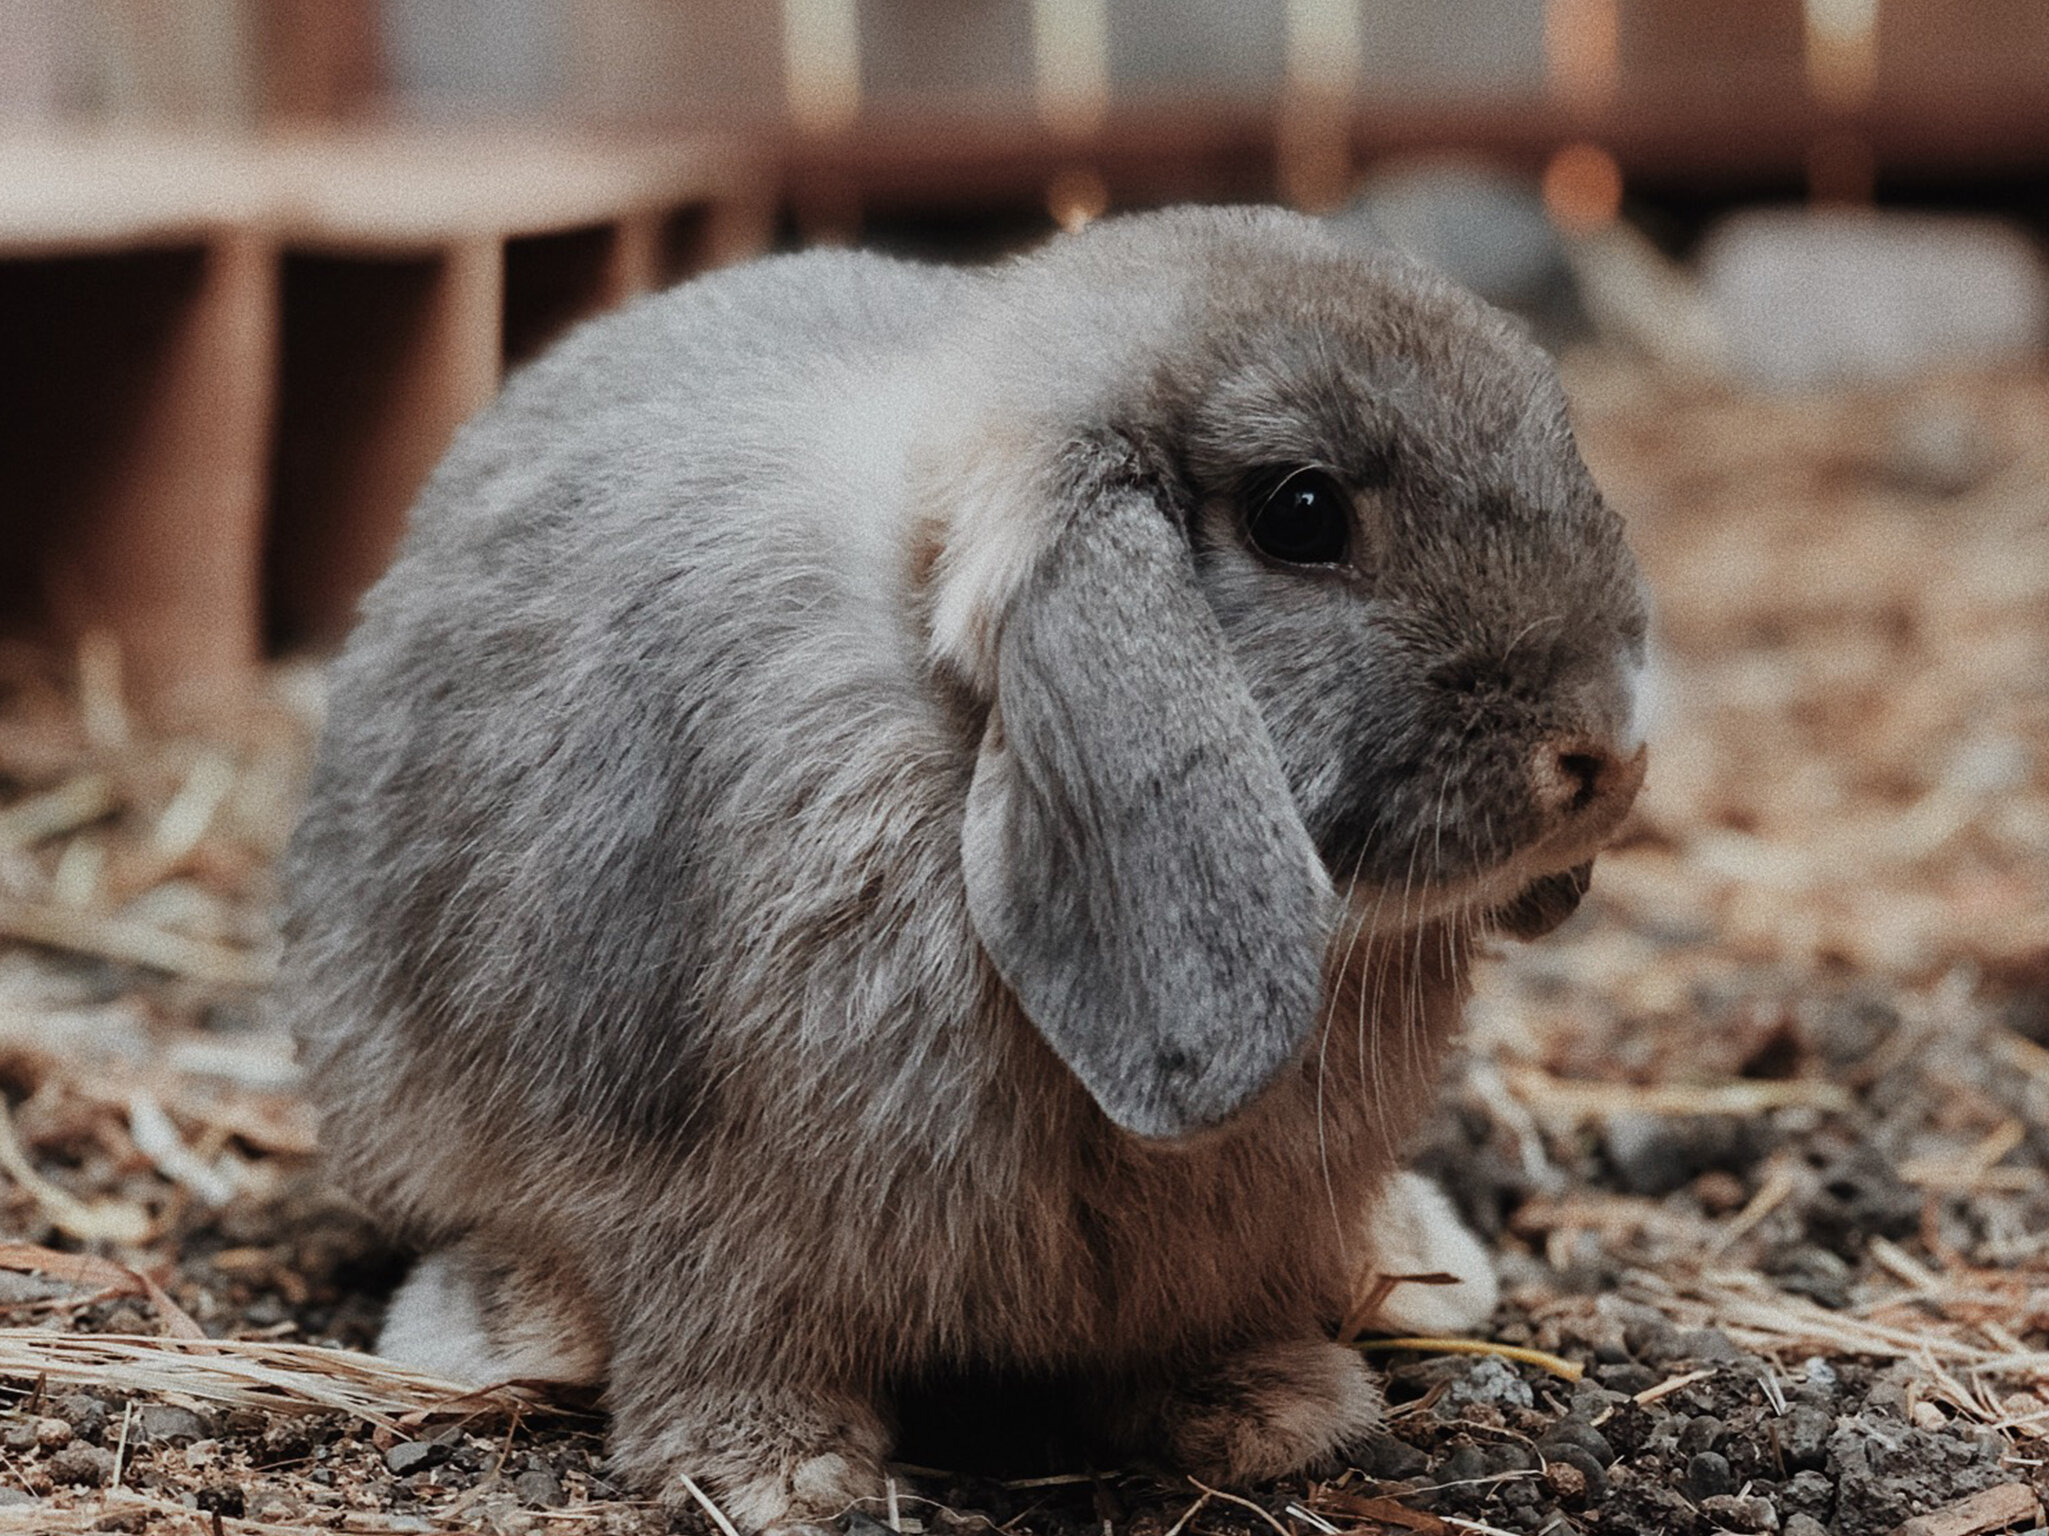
<point x="232" y="362"/>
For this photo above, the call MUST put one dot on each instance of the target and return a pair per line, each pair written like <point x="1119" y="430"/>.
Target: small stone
<point x="84" y="1466"/>
<point x="223" y="1499"/>
<point x="1566" y="1481"/>
<point x="1587" y="1401"/>
<point x="1702" y="1432"/>
<point x="275" y="1506"/>
<point x="410" y="1456"/>
<point x="469" y="1456"/>
<point x="125" y="1319"/>
<point x="167" y="1424"/>
<point x="1708" y="1474"/>
<point x="86" y="1414"/>
<point x="1628" y="1378"/>
<point x="1803" y="1525"/>
<point x="14" y="1498"/>
<point x="1887" y="1472"/>
<point x="1465" y="1464"/>
<point x="1656" y="1154"/>
<point x="19" y="1437"/>
<point x="1510" y="1456"/>
<point x="52" y="1434"/>
<point x="1583" y="1435"/>
<point x="1812" y="1271"/>
<point x="1593" y="1482"/>
<point x="1741" y="1512"/>
<point x="1655" y="1343"/>
<point x="1887" y="1397"/>
<point x="1388" y="1459"/>
<point x="1488" y="1380"/>
<point x="1803" y="1436"/>
<point x="539" y="1487"/>
<point x="1809" y="1493"/>
<point x="1481" y="226"/>
<point x="1710" y="1346"/>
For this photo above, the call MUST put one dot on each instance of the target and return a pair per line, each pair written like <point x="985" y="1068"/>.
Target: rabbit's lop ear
<point x="1135" y="865"/>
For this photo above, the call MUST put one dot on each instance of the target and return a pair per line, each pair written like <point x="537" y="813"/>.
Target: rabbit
<point x="893" y="825"/>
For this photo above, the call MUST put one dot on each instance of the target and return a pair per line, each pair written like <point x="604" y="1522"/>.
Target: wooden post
<point x="383" y="361"/>
<point x="451" y="371"/>
<point x="736" y="229"/>
<point x="1313" y="137"/>
<point x="633" y="259"/>
<point x="169" y="563"/>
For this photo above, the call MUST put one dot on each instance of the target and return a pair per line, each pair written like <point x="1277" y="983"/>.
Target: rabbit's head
<point x="1294" y="613"/>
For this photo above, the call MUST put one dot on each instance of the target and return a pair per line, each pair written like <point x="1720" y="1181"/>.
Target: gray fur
<point x="826" y="769"/>
<point x="1127" y="795"/>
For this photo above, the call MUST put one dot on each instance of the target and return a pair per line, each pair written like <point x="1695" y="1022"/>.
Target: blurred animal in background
<point x="1484" y="228"/>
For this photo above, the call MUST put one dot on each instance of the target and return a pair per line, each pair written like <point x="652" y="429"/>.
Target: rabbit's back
<point x="651" y="589"/>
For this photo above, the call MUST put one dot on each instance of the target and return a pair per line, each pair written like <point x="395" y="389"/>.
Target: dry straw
<point x="269" y="1375"/>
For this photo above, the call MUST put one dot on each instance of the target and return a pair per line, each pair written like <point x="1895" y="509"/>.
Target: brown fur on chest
<point x="1117" y="1250"/>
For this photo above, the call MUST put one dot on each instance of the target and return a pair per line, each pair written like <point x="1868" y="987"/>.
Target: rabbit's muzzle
<point x="1507" y="830"/>
<point x="1588" y="788"/>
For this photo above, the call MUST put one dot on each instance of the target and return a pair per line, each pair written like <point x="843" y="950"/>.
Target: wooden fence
<point x="259" y="257"/>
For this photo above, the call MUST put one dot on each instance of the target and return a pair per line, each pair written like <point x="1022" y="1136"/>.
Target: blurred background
<point x="259" y="257"/>
<point x="1786" y="1075"/>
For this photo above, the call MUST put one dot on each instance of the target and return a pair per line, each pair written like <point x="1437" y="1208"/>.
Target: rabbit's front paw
<point x="1415" y="1231"/>
<point x="1282" y="1408"/>
<point x="768" y="1465"/>
<point x="473" y="1316"/>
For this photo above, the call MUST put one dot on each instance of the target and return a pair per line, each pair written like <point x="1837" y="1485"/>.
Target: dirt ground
<point x="1759" y="1138"/>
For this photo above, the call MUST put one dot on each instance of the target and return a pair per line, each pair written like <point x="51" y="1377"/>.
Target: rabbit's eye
<point x="1305" y="518"/>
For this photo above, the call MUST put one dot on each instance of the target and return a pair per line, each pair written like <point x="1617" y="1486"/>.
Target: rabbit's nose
<point x="1572" y="776"/>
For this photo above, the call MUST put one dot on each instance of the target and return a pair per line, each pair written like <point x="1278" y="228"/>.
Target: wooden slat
<point x="735" y="229"/>
<point x="383" y="361"/>
<point x="394" y="192"/>
<point x="83" y="193"/>
<point x="167" y="561"/>
<point x="377" y="192"/>
<point x="632" y="260"/>
<point x="139" y="490"/>
<point x="1738" y="137"/>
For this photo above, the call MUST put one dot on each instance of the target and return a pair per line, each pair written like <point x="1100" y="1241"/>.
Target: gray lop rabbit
<point x="893" y="826"/>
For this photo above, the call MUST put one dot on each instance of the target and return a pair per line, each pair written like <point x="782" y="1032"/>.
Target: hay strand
<point x="266" y="1374"/>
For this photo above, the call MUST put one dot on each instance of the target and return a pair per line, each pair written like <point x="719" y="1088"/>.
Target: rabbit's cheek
<point x="1491" y="804"/>
<point x="987" y="521"/>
